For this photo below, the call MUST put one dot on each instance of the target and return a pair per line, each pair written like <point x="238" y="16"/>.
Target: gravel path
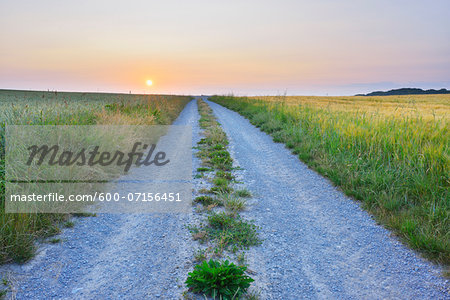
<point x="113" y="256"/>
<point x="318" y="242"/>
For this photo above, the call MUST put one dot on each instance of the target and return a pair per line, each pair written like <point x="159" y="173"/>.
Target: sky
<point x="244" y="47"/>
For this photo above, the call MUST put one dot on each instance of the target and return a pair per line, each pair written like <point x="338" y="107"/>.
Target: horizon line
<point x="206" y="94"/>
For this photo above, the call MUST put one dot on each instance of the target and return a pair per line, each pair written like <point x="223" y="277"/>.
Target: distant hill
<point x="407" y="91"/>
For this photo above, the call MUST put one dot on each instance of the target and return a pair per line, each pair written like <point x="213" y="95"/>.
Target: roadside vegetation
<point x="219" y="279"/>
<point x="391" y="153"/>
<point x="222" y="231"/>
<point x="19" y="231"/>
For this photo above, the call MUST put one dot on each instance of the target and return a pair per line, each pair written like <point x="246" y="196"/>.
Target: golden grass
<point x="428" y="107"/>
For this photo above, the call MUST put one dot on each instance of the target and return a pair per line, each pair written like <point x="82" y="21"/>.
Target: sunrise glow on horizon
<point x="241" y="47"/>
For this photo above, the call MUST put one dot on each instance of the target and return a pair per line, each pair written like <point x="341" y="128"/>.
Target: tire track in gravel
<point x="318" y="243"/>
<point x="113" y="256"/>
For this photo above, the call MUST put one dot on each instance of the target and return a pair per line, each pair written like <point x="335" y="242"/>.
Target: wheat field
<point x="391" y="152"/>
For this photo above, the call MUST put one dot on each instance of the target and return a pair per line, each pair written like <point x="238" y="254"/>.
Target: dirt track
<point x="317" y="242"/>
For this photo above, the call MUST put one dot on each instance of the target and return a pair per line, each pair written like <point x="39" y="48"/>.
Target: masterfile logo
<point x="53" y="156"/>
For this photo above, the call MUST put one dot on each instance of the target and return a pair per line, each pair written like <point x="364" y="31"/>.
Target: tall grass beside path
<point x="398" y="166"/>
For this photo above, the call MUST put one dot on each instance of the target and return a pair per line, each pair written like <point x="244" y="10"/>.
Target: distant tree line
<point x="407" y="91"/>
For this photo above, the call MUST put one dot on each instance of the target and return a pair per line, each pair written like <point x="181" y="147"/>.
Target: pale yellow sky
<point x="245" y="47"/>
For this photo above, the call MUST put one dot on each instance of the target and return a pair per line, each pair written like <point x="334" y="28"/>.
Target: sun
<point x="149" y="82"/>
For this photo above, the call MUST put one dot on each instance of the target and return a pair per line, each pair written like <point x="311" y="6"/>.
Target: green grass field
<point x="391" y="153"/>
<point x="18" y="231"/>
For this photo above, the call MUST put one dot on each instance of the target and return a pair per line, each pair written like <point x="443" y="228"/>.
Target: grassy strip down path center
<point x="222" y="230"/>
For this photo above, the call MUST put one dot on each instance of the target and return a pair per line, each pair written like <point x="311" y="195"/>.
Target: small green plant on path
<point x="222" y="280"/>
